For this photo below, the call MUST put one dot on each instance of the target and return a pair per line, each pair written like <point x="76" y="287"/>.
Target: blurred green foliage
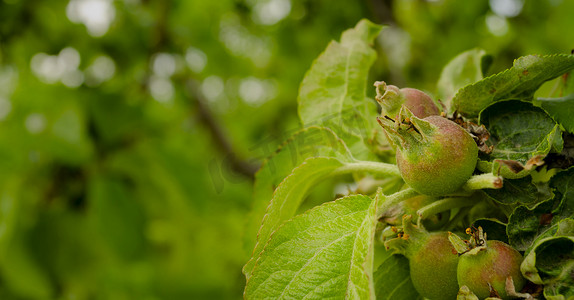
<point x="130" y="130"/>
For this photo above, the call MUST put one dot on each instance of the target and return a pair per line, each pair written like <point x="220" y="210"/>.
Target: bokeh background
<point x="130" y="130"/>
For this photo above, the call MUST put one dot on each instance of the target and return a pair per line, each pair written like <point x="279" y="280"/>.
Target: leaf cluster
<point x="335" y="249"/>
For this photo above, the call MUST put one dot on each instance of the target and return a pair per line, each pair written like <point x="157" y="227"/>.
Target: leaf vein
<point x="311" y="259"/>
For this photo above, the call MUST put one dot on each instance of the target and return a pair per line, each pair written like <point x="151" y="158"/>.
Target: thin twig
<point x="382" y="11"/>
<point x="217" y="132"/>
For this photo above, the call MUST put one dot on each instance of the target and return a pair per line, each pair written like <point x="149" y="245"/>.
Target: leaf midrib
<point x="311" y="259"/>
<point x="346" y="87"/>
<point x="349" y="281"/>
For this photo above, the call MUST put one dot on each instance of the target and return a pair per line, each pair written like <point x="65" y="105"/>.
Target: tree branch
<point x="220" y="139"/>
<point x="382" y="11"/>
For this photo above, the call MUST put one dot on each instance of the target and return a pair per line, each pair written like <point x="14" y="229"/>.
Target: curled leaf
<point x="519" y="82"/>
<point x="522" y="135"/>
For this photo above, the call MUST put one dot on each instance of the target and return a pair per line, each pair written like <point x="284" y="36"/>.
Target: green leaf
<point x="534" y="267"/>
<point x="117" y="217"/>
<point x="564" y="196"/>
<point x="521" y="191"/>
<point x="567" y="83"/>
<point x="10" y="212"/>
<point x="519" y="132"/>
<point x="309" y="142"/>
<point x="287" y="198"/>
<point x="525" y="225"/>
<point x="557" y="88"/>
<point x="393" y="280"/>
<point x="560" y="109"/>
<point x="466" y="68"/>
<point x="290" y="193"/>
<point x="19" y="268"/>
<point x="333" y="92"/>
<point x="21" y="272"/>
<point x="563" y="227"/>
<point x="326" y="252"/>
<point x="114" y="118"/>
<point x="560" y="290"/>
<point x="563" y="287"/>
<point x="519" y="82"/>
<point x="551" y="262"/>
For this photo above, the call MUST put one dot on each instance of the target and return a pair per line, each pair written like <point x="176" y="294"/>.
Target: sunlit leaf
<point x="333" y="92"/>
<point x="466" y="68"/>
<point x="324" y="253"/>
<point x="287" y="198"/>
<point x="308" y="142"/>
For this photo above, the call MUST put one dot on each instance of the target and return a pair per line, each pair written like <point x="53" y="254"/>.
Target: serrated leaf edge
<point x="461" y="90"/>
<point x="293" y="172"/>
<point x="271" y="236"/>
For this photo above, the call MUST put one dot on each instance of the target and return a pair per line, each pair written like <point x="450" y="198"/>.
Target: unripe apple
<point x="435" y="155"/>
<point x="432" y="260"/>
<point x="433" y="268"/>
<point x="483" y="269"/>
<point x="391" y="98"/>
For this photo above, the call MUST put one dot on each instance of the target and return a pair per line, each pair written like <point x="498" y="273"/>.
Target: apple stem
<point x="443" y="205"/>
<point x="394" y="199"/>
<point x="483" y="181"/>
<point x="369" y="166"/>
